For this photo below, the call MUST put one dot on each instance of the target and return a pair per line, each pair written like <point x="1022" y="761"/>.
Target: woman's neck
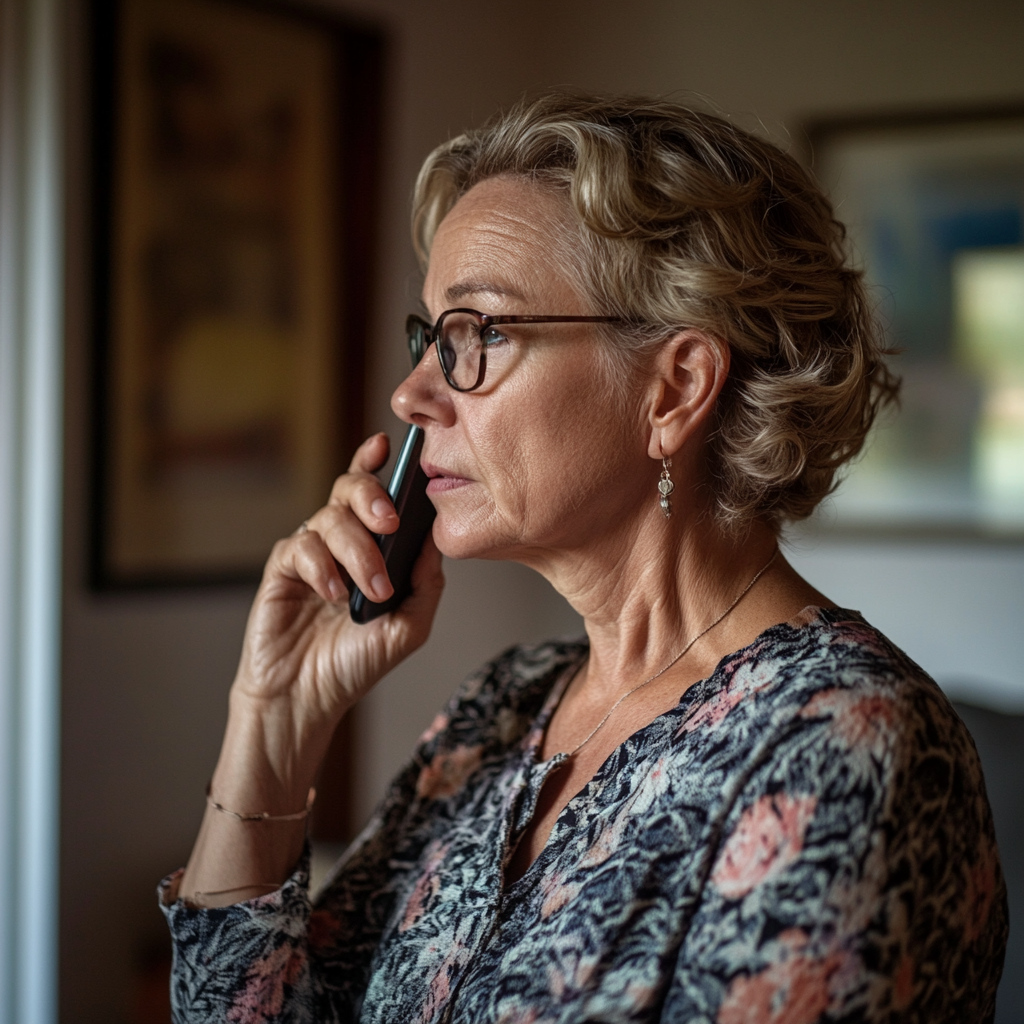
<point x="645" y="593"/>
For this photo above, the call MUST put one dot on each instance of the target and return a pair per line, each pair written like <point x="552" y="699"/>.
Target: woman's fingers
<point x="371" y="454"/>
<point x="354" y="547"/>
<point x="345" y="549"/>
<point x="306" y="558"/>
<point x="360" y="490"/>
<point x="368" y="499"/>
<point x="335" y="544"/>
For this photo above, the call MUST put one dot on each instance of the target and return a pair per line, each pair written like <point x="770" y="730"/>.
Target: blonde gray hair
<point x="688" y="221"/>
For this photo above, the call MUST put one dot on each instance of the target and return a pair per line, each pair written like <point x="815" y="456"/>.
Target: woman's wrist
<point x="234" y="860"/>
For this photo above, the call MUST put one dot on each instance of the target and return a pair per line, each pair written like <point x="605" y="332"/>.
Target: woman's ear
<point x="689" y="374"/>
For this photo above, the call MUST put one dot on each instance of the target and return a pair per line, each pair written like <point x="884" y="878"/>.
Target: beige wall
<point x="776" y="61"/>
<point x="146" y="676"/>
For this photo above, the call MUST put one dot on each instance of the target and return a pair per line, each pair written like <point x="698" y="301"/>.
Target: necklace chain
<point x="743" y="593"/>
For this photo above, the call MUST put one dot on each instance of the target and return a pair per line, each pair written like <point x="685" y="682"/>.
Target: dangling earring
<point x="665" y="486"/>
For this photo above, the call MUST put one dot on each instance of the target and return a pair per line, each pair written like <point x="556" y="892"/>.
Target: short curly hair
<point x="689" y="221"/>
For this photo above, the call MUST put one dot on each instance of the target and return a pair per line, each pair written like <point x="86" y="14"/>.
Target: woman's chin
<point x="457" y="538"/>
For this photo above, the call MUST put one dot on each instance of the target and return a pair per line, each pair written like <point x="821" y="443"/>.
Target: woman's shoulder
<point x="829" y="681"/>
<point x="834" y="700"/>
<point x="825" y="654"/>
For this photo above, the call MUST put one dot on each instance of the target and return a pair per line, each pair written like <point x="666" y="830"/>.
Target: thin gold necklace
<point x="743" y="593"/>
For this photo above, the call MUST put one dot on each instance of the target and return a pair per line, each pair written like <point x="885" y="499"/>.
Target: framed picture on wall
<point x="935" y="209"/>
<point x="235" y="168"/>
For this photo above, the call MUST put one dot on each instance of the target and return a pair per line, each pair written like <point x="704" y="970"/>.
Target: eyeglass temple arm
<point x="517" y="319"/>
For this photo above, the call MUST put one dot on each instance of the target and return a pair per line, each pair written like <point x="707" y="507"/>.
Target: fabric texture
<point x="804" y="837"/>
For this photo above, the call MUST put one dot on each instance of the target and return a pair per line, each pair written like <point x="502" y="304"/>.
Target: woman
<point x="732" y="801"/>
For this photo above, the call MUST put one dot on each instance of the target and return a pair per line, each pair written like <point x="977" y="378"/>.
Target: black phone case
<point x="408" y="491"/>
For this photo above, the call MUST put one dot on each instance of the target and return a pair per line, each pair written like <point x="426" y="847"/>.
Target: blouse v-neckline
<point x="538" y="771"/>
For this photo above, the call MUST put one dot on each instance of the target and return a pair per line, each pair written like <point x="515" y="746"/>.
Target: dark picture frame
<point x="236" y="151"/>
<point x="934" y="203"/>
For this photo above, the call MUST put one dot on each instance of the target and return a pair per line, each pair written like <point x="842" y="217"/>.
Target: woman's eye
<point x="493" y="336"/>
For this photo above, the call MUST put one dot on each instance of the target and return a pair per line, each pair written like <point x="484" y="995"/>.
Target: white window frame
<point x="31" y="452"/>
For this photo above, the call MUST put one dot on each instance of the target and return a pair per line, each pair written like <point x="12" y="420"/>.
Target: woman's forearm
<point x="268" y="762"/>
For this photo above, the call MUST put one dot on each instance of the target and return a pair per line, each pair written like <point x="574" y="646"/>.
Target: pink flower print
<point x="440" y="990"/>
<point x="262" y="999"/>
<point x="867" y="723"/>
<point x="851" y="631"/>
<point x="794" y="990"/>
<point x="642" y="994"/>
<point x="447" y="772"/>
<point x="769" y="837"/>
<point x="437" y="726"/>
<point x="518" y="1015"/>
<point x="556" y="982"/>
<point x="426" y="886"/>
<point x="606" y="843"/>
<point x="857" y="897"/>
<point x="713" y="711"/>
<point x="573" y="974"/>
<point x="750" y="677"/>
<point x="557" y="893"/>
<point x="862" y="722"/>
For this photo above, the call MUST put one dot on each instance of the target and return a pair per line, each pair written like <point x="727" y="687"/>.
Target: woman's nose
<point x="424" y="396"/>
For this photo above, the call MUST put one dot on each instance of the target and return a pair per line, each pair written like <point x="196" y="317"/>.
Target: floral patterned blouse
<point x="804" y="837"/>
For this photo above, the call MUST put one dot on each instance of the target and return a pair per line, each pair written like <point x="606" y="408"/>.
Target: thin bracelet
<point x="195" y="899"/>
<point x="262" y="815"/>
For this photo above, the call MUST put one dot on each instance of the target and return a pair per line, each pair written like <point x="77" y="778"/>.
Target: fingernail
<point x="382" y="509"/>
<point x="335" y="588"/>
<point x="380" y="586"/>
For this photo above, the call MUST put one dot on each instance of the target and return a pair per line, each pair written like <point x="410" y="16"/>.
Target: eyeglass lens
<point x="459" y="345"/>
<point x="462" y="347"/>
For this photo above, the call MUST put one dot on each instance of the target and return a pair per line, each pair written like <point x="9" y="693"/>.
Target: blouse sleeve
<point x="278" y="958"/>
<point x="857" y="878"/>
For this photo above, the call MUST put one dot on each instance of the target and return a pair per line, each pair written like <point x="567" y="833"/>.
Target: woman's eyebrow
<point x="461" y="289"/>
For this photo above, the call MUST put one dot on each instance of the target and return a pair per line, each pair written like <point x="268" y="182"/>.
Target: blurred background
<point x="146" y="666"/>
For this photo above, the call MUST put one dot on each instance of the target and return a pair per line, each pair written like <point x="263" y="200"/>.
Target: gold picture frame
<point x="235" y="168"/>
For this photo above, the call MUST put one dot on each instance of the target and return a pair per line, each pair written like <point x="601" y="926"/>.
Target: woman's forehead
<point x="515" y="198"/>
<point x="505" y="239"/>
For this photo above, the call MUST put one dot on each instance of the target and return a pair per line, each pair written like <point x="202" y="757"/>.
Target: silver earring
<point x="665" y="487"/>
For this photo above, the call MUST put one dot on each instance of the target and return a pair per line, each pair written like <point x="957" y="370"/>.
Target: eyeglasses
<point x="464" y="336"/>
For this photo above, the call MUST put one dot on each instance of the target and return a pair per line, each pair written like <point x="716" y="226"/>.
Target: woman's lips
<point x="442" y="480"/>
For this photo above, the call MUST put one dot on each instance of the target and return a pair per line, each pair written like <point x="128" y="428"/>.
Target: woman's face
<point x="542" y="457"/>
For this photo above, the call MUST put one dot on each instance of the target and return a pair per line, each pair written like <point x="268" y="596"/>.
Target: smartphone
<point x="408" y="491"/>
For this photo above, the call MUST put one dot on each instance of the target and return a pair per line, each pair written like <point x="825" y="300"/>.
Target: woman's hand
<point x="301" y="646"/>
<point x="304" y="664"/>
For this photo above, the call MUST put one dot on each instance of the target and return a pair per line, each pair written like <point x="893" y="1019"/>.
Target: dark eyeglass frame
<point x="420" y="335"/>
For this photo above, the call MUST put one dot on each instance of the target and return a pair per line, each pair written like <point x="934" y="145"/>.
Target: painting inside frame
<point x="935" y="210"/>
<point x="235" y="175"/>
